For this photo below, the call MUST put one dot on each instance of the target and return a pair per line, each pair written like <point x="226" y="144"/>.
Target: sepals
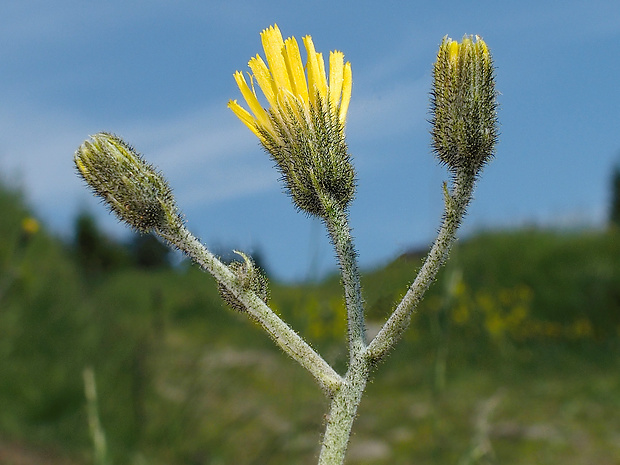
<point x="250" y="277"/>
<point x="133" y="189"/>
<point x="464" y="105"/>
<point x="312" y="157"/>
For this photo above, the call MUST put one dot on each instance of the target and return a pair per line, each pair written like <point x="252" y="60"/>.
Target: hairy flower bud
<point x="464" y="105"/>
<point x="250" y="277"/>
<point x="132" y="189"/>
<point x="303" y="128"/>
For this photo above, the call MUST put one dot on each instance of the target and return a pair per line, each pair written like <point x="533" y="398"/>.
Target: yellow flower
<point x="285" y="87"/>
<point x="30" y="226"/>
<point x="457" y="51"/>
<point x="303" y="127"/>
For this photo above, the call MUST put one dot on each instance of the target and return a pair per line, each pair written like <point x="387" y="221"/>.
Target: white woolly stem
<point x="342" y="412"/>
<point x="340" y="234"/>
<point x="283" y="335"/>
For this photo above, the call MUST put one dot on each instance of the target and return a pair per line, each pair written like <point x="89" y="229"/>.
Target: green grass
<point x="511" y="359"/>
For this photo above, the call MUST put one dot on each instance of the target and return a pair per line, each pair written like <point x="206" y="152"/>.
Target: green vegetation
<point x="513" y="358"/>
<point x="614" y="210"/>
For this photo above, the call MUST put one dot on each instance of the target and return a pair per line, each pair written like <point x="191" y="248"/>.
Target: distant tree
<point x="614" y="212"/>
<point x="95" y="251"/>
<point x="148" y="252"/>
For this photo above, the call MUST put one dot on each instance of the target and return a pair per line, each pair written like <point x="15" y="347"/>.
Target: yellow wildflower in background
<point x="30" y="225"/>
<point x="303" y="126"/>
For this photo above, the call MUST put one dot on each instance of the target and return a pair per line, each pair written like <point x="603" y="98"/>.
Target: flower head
<point x="303" y="126"/>
<point x="464" y="104"/>
<point x="132" y="188"/>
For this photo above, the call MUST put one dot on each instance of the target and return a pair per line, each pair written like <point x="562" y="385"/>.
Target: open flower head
<point x="303" y="126"/>
<point x="464" y="104"/>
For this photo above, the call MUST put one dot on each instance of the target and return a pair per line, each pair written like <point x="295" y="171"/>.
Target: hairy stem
<point x="342" y="413"/>
<point x="284" y="336"/>
<point x="456" y="203"/>
<point x="345" y="401"/>
<point x="340" y="234"/>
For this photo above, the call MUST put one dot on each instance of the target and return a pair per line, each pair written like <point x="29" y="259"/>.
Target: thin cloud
<point x="205" y="156"/>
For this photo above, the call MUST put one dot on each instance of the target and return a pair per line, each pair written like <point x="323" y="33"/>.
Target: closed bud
<point x="136" y="192"/>
<point x="464" y="105"/>
<point x="250" y="277"/>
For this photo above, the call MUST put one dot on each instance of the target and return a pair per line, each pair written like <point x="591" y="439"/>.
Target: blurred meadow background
<point x="513" y="357"/>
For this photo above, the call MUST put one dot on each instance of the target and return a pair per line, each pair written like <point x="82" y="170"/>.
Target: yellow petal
<point x="336" y="66"/>
<point x="316" y="83"/>
<point x="274" y="48"/>
<point x="244" y="116"/>
<point x="347" y="84"/>
<point x="453" y="50"/>
<point x="264" y="79"/>
<point x="322" y="77"/>
<point x="250" y="98"/>
<point x="295" y="69"/>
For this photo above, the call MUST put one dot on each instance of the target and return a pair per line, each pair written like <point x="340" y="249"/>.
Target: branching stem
<point x="284" y="336"/>
<point x="346" y="400"/>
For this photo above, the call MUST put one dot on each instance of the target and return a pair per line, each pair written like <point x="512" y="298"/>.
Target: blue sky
<point x="159" y="74"/>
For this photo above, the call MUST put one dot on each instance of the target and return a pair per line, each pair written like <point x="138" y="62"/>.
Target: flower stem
<point x="456" y="203"/>
<point x="340" y="234"/>
<point x="283" y="335"/>
<point x="342" y="413"/>
<point x="346" y="400"/>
